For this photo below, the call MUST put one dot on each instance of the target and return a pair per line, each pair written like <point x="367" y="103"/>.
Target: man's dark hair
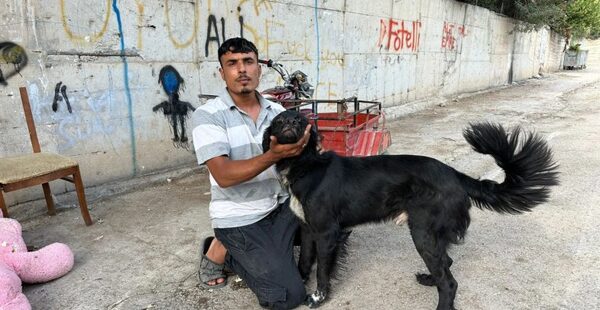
<point x="236" y="45"/>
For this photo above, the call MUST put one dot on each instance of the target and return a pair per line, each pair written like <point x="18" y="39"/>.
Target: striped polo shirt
<point x="221" y="128"/>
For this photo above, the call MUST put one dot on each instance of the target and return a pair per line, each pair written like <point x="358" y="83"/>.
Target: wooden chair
<point x="23" y="171"/>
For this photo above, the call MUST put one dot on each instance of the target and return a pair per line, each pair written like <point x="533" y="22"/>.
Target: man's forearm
<point x="232" y="172"/>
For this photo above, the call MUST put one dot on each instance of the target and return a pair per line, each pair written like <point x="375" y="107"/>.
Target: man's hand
<point x="289" y="150"/>
<point x="232" y="172"/>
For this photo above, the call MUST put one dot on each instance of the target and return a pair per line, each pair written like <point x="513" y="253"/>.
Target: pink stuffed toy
<point x="16" y="264"/>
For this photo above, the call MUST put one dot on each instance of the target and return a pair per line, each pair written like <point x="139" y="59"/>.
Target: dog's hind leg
<point x="427" y="279"/>
<point x="433" y="252"/>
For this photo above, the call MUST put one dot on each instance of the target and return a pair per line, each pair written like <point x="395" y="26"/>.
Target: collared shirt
<point x="221" y="128"/>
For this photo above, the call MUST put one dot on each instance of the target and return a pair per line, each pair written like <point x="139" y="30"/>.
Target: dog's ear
<point x="266" y="143"/>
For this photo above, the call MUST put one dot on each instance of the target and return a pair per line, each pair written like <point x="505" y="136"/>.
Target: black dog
<point x="338" y="192"/>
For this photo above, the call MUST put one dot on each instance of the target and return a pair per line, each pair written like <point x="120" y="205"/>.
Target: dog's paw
<point x="425" y="279"/>
<point x="315" y="299"/>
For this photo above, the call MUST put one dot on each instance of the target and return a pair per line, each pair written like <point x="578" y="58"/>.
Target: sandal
<point x="209" y="270"/>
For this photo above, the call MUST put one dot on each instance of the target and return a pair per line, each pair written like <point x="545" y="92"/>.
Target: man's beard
<point x="246" y="90"/>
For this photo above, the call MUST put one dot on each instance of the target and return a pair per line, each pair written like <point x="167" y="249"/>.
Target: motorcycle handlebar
<point x="277" y="67"/>
<point x="269" y="62"/>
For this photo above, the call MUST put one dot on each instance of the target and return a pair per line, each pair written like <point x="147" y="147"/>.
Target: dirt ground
<point x="141" y="253"/>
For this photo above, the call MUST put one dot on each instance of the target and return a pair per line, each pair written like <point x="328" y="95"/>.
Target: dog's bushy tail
<point x="527" y="163"/>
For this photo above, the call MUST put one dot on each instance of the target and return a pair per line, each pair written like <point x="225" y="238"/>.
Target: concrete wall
<point x="108" y="55"/>
<point x="593" y="58"/>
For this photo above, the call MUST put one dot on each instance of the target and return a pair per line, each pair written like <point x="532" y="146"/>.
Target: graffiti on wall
<point x="97" y="117"/>
<point x="117" y="11"/>
<point x="398" y="35"/>
<point x="215" y="27"/>
<point x="91" y="37"/>
<point x="174" y="109"/>
<point x="214" y="37"/>
<point x="60" y="94"/>
<point x="263" y="43"/>
<point x="393" y="59"/>
<point x="12" y="59"/>
<point x="329" y="87"/>
<point x="214" y="33"/>
<point x="175" y="41"/>
<point x="452" y="35"/>
<point x="258" y="3"/>
<point x="187" y="24"/>
<point x="140" y="22"/>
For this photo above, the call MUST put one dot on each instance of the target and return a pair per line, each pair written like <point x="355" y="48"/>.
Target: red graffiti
<point x="449" y="40"/>
<point x="397" y="35"/>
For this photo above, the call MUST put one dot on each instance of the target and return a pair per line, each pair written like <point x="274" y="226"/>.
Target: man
<point x="254" y="227"/>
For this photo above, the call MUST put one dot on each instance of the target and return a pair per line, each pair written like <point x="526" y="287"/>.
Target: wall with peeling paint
<point x="92" y="66"/>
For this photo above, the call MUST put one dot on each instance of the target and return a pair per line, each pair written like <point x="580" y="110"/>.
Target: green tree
<point x="582" y="19"/>
<point x="572" y="18"/>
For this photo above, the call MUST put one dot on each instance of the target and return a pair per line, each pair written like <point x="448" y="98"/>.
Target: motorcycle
<point x="295" y="85"/>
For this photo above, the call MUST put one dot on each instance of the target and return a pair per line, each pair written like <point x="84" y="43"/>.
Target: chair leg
<point x="3" y="204"/>
<point x="49" y="200"/>
<point x="81" y="196"/>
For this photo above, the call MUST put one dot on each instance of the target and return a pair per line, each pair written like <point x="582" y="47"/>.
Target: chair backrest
<point x="35" y="144"/>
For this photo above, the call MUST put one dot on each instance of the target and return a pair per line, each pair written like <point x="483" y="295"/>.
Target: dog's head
<point x="288" y="127"/>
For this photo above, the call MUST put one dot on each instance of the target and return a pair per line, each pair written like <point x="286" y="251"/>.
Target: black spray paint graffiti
<point x="174" y="109"/>
<point x="12" y="54"/>
<point x="212" y="24"/>
<point x="59" y="97"/>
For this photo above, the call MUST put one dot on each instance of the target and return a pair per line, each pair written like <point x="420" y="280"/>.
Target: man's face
<point x="240" y="71"/>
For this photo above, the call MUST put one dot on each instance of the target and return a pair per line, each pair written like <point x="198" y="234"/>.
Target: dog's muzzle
<point x="289" y="134"/>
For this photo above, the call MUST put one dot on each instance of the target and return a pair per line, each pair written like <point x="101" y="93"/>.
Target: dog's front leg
<point x="307" y="253"/>
<point x="326" y="245"/>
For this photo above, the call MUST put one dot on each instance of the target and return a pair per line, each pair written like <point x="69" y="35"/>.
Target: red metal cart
<point x="355" y="131"/>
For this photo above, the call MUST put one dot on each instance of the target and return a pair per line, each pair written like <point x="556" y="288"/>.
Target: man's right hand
<point x="289" y="150"/>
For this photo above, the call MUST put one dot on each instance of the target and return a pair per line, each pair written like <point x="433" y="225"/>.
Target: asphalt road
<point x="142" y="251"/>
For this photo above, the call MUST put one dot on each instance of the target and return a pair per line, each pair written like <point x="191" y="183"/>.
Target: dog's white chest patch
<point x="296" y="207"/>
<point x="284" y="179"/>
<point x="295" y="204"/>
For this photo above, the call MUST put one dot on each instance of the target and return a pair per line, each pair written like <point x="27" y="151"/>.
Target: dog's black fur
<point x="340" y="192"/>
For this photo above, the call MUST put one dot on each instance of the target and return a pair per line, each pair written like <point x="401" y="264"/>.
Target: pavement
<point x="142" y="251"/>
